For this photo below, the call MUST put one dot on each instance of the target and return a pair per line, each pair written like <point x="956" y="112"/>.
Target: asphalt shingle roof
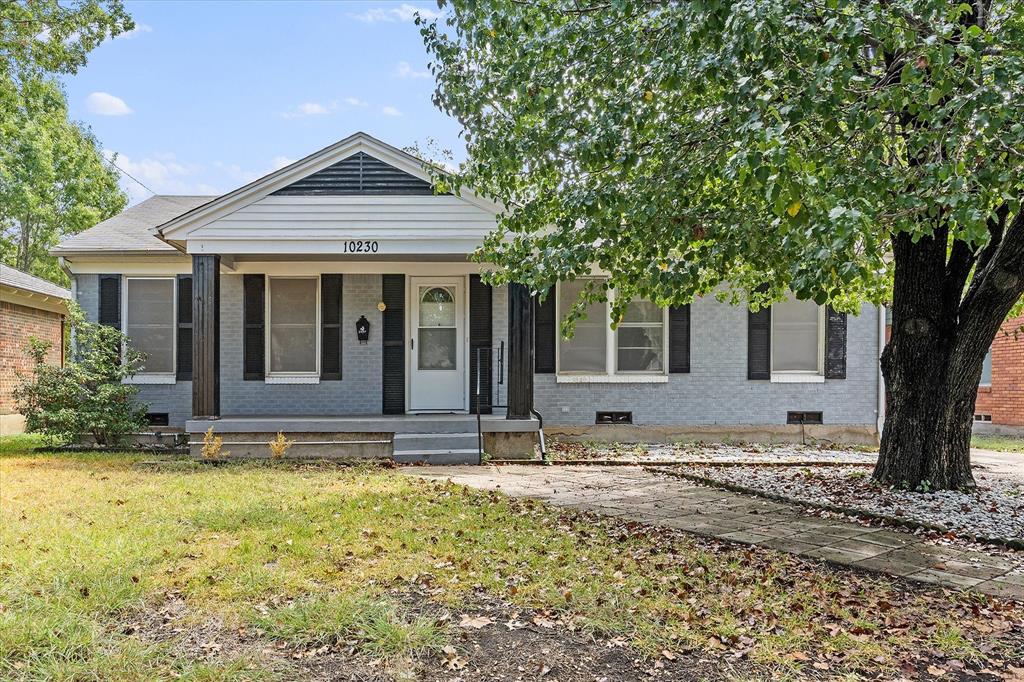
<point x="17" y="279"/>
<point x="129" y="229"/>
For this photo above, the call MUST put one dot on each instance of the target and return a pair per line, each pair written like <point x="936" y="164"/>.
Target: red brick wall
<point x="1004" y="399"/>
<point x="17" y="324"/>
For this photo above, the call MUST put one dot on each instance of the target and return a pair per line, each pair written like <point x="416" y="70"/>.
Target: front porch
<point x="428" y="438"/>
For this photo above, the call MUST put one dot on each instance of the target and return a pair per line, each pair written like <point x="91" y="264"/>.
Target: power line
<point x="122" y="170"/>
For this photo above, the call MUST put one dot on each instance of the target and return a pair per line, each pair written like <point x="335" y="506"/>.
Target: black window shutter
<point x="679" y="339"/>
<point x="545" y="321"/>
<point x="759" y="344"/>
<point x="480" y="311"/>
<point x="330" y="327"/>
<point x="253" y="339"/>
<point x="110" y="301"/>
<point x="393" y="344"/>
<point x="184" y="364"/>
<point x="835" y="344"/>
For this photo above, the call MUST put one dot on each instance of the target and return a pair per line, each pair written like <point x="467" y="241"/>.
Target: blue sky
<point x="204" y="97"/>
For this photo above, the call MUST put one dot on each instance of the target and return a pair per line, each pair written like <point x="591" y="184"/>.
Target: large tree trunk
<point x="933" y="361"/>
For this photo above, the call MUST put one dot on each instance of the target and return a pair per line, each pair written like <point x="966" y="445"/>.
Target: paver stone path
<point x="641" y="495"/>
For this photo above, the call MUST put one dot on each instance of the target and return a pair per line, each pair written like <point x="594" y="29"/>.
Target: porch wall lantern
<point x="363" y="329"/>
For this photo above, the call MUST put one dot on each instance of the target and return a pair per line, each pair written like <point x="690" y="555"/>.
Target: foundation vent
<point x="614" y="418"/>
<point x="804" y="418"/>
<point x="158" y="419"/>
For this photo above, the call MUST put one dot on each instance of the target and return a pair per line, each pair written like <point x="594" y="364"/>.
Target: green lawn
<point x="93" y="548"/>
<point x="1000" y="443"/>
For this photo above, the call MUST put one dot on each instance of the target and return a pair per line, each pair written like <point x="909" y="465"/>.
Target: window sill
<point x="611" y="378"/>
<point x="798" y="378"/>
<point x="150" y="379"/>
<point x="292" y="380"/>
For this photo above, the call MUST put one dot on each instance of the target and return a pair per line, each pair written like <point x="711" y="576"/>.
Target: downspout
<point x="67" y="340"/>
<point x="880" y="409"/>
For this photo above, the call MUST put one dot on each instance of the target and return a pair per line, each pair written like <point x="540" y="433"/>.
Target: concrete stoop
<point x="428" y="439"/>
<point x="436" y="448"/>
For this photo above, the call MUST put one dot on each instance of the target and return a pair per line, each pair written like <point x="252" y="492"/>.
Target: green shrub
<point x="87" y="394"/>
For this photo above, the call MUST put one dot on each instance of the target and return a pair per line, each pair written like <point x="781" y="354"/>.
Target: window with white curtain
<point x="293" y="314"/>
<point x="150" y="321"/>
<point x="587" y="350"/>
<point x="797" y="337"/>
<point x="637" y="346"/>
<point x="640" y="338"/>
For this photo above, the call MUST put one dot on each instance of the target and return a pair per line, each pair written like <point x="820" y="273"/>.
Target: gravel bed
<point x="719" y="453"/>
<point x="994" y="510"/>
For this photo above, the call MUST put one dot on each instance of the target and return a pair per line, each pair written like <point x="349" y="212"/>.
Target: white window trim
<point x="625" y="378"/>
<point x="801" y="376"/>
<point x="290" y="377"/>
<point x="145" y="377"/>
<point x="612" y="374"/>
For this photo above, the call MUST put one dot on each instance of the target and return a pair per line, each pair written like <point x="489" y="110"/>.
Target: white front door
<point x="437" y="376"/>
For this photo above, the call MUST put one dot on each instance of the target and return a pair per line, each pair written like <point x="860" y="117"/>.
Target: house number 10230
<point x="360" y="246"/>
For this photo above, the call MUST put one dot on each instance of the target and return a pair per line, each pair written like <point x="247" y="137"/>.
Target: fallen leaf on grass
<point x="544" y="622"/>
<point x="475" y="622"/>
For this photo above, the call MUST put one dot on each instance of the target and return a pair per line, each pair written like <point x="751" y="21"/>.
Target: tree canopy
<point x="685" y="147"/>
<point x="53" y="178"/>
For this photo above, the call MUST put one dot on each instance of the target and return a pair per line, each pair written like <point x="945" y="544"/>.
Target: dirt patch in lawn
<point x="491" y="639"/>
<point x="488" y="639"/>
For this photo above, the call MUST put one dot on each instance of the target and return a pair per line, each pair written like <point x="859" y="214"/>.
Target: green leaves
<point x="53" y="180"/>
<point x="740" y="143"/>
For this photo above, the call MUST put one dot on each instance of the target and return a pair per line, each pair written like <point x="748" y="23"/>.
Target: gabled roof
<point x="179" y="227"/>
<point x="16" y="279"/>
<point x="131" y="230"/>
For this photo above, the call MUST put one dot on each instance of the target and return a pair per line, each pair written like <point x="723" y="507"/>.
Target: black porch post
<point x="520" y="351"/>
<point x="205" y="336"/>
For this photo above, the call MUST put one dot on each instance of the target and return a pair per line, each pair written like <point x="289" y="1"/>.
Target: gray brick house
<point x="335" y="300"/>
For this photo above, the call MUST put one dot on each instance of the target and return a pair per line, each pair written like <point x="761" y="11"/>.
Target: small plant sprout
<point x="212" y="446"/>
<point x="280" y="445"/>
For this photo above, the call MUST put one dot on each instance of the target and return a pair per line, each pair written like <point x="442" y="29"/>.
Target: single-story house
<point x="335" y="300"/>
<point x="29" y="307"/>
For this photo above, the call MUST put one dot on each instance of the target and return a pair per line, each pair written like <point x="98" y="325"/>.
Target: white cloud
<point x="390" y="111"/>
<point x="137" y="31"/>
<point x="279" y="162"/>
<point x="162" y="173"/>
<point x="404" y="12"/>
<point x="404" y="70"/>
<point x="105" y="104"/>
<point x="308" y="109"/>
<point x="354" y="102"/>
<point x="237" y="175"/>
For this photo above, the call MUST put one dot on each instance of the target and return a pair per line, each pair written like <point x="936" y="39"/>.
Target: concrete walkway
<point x="1004" y="464"/>
<point x="633" y="493"/>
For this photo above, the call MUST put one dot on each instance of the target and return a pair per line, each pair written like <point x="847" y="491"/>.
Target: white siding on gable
<point x="351" y="217"/>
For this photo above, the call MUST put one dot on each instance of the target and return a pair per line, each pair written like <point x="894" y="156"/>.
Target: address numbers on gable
<point x="360" y="246"/>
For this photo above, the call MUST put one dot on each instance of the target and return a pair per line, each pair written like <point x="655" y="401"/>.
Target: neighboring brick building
<point x="29" y="306"/>
<point x="1000" y="405"/>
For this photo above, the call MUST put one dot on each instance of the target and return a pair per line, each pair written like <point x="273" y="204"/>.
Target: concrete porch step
<point x="436" y="448"/>
<point x="439" y="457"/>
<point x="440" y="442"/>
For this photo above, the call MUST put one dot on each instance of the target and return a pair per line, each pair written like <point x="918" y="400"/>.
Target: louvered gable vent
<point x="358" y="174"/>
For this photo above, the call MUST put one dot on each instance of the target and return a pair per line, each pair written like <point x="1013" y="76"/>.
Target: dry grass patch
<point x="312" y="556"/>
